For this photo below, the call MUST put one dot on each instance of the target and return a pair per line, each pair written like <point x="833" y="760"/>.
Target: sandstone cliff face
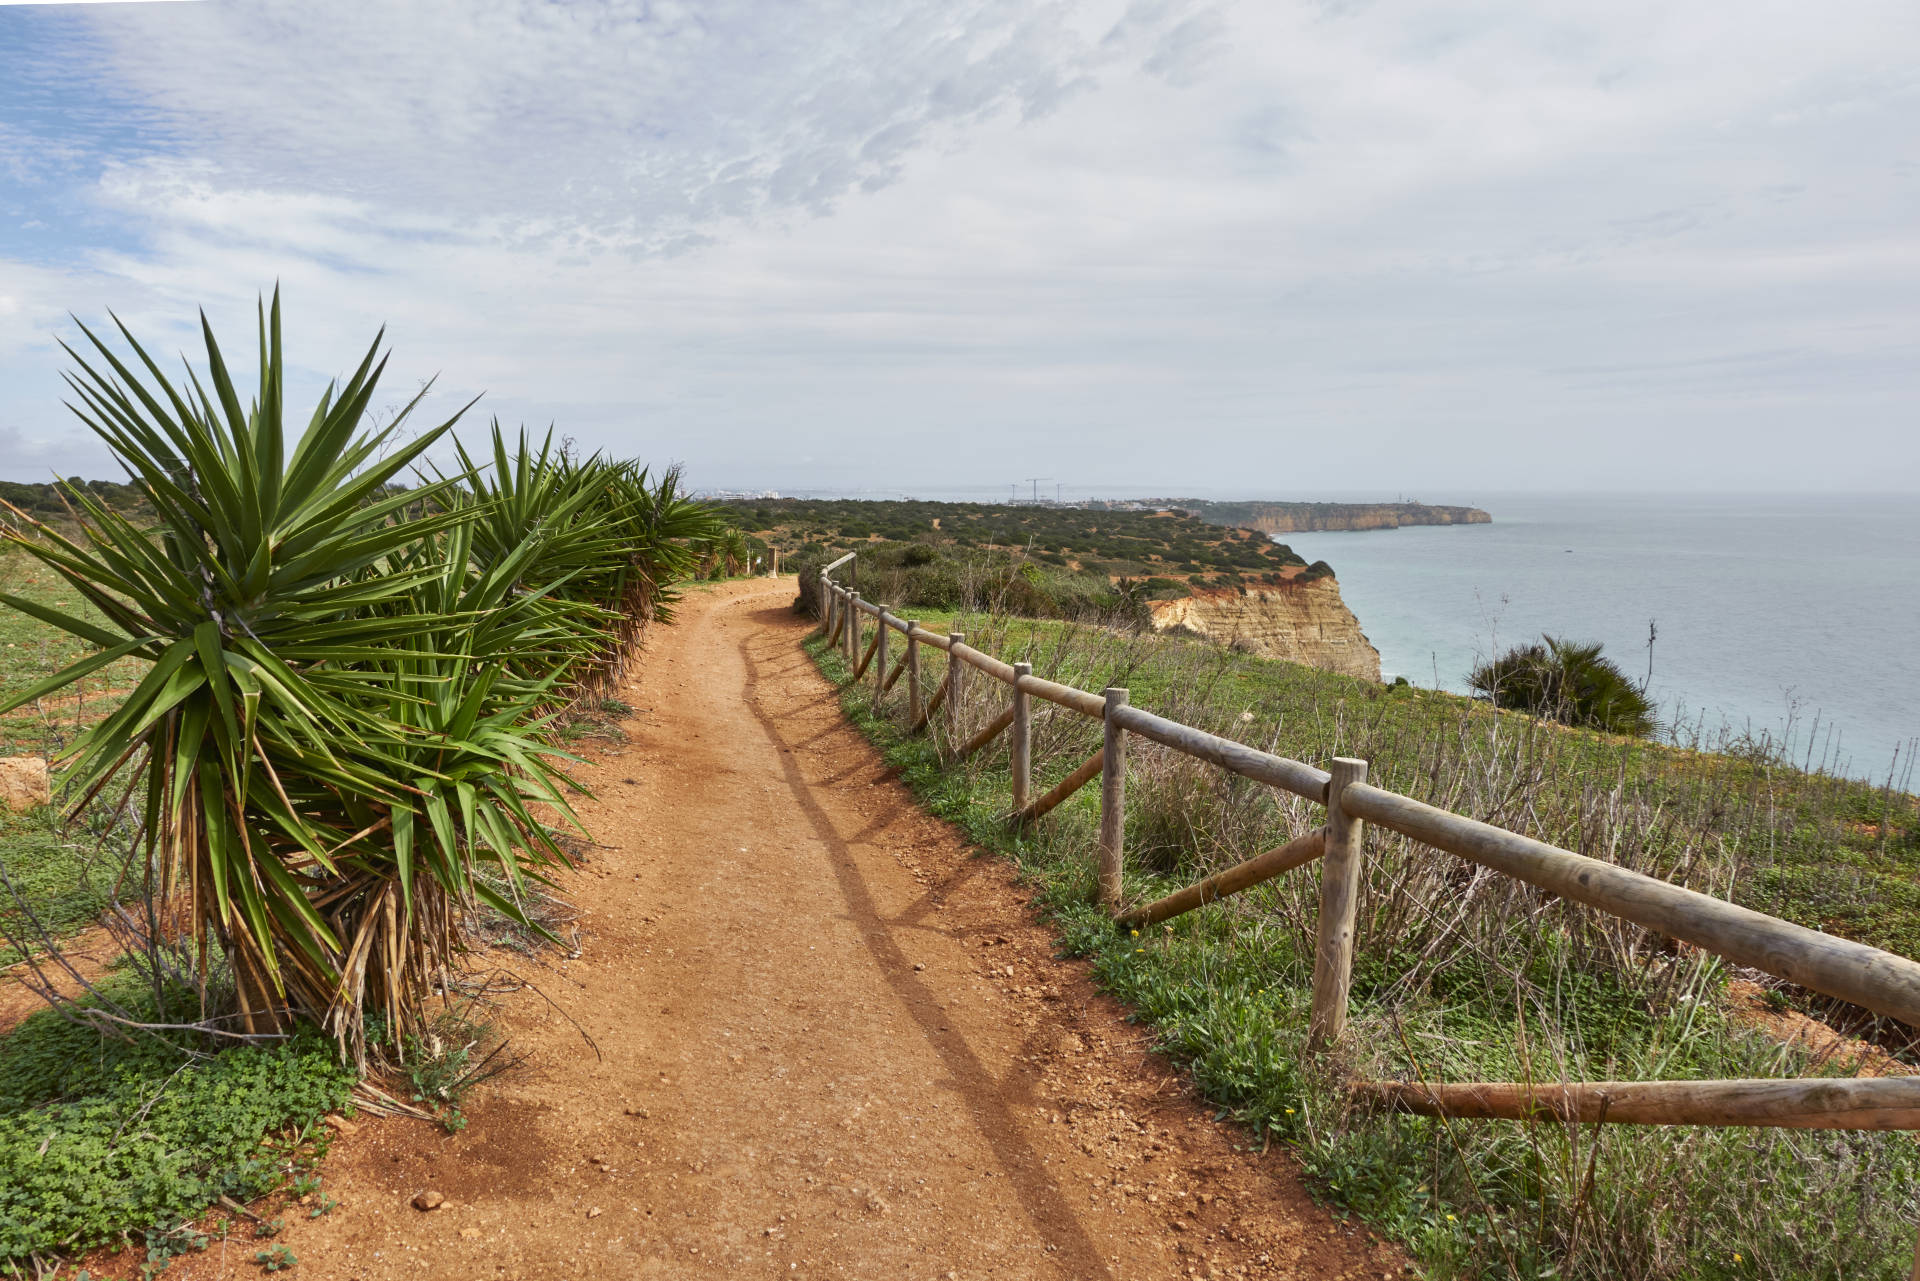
<point x="1305" y="622"/>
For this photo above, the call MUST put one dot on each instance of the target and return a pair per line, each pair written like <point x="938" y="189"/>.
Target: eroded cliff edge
<point x="1302" y="620"/>
<point x="1300" y="518"/>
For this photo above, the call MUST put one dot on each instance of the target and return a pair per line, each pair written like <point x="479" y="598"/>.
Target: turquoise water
<point x="1792" y="615"/>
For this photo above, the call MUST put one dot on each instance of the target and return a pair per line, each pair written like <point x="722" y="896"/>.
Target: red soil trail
<point x="828" y="1039"/>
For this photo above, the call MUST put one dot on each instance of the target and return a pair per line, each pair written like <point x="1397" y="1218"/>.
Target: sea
<point x="1791" y="616"/>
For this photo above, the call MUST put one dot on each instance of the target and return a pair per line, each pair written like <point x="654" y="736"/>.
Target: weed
<point x="101" y="1136"/>
<point x="277" y="1259"/>
<point x="442" y="1064"/>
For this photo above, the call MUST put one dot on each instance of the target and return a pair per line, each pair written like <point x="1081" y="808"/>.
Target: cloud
<point x="1260" y="247"/>
<point x="626" y="119"/>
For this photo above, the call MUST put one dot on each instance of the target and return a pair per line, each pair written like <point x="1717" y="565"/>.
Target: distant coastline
<point x="1302" y="518"/>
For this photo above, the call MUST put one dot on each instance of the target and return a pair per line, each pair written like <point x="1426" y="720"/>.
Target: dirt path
<point x="830" y="1041"/>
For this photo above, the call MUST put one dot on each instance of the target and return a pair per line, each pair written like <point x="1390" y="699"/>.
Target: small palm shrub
<point x="1567" y="681"/>
<point x="340" y="742"/>
<point x="597" y="539"/>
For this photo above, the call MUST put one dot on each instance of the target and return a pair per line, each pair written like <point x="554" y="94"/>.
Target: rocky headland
<point x="1301" y="518"/>
<point x="1303" y="620"/>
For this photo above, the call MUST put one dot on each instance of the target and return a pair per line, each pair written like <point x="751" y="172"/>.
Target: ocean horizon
<point x="1793" y="616"/>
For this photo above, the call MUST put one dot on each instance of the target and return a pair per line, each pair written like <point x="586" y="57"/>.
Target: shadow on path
<point x="1046" y="1206"/>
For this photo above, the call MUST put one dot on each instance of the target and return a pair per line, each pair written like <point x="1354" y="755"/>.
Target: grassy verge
<point x="1725" y="814"/>
<point x="1460" y="976"/>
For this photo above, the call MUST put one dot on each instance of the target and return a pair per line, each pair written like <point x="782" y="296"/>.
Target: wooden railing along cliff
<point x="1865" y="976"/>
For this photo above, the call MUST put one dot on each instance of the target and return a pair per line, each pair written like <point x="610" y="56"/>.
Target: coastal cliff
<point x="1302" y="620"/>
<point x="1300" y="518"/>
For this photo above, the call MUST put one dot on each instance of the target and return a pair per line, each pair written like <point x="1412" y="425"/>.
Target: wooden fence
<point x="1866" y="976"/>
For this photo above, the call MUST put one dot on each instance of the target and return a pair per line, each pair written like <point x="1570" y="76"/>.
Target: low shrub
<point x="104" y="1138"/>
<point x="1567" y="681"/>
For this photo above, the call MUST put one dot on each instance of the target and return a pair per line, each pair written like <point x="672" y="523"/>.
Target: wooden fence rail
<point x="1859" y="1103"/>
<point x="1866" y="976"/>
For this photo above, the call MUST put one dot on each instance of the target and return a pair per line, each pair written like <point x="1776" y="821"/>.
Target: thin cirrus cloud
<point x="1269" y="248"/>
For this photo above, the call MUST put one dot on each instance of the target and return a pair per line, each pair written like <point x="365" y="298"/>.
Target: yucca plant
<point x="735" y="553"/>
<point x="539" y="525"/>
<point x="661" y="526"/>
<point x="1568" y="681"/>
<point x="336" y="723"/>
<point x="594" y="536"/>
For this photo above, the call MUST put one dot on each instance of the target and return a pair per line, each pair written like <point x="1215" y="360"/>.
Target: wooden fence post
<point x="853" y="629"/>
<point x="1022" y="748"/>
<point x="1113" y="801"/>
<point x="826" y="608"/>
<point x="913" y="674"/>
<point x="1339" y="903"/>
<point x="956" y="671"/>
<point x="880" y="660"/>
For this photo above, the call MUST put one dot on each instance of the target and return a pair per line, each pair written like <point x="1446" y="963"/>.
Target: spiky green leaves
<point x="342" y="719"/>
<point x="1567" y="681"/>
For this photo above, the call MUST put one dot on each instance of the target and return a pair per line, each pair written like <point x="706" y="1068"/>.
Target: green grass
<point x="64" y="881"/>
<point x="1458" y="977"/>
<point x="105" y="1140"/>
<point x="31" y="651"/>
<point x="64" y="878"/>
<point x="1822" y="851"/>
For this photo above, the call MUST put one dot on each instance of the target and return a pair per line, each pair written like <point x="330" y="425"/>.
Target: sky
<point x="1269" y="249"/>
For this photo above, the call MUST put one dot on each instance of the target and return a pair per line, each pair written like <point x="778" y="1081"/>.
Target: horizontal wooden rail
<point x="1065" y="787"/>
<point x="987" y="663"/>
<point x="828" y="569"/>
<point x="1868" y="977"/>
<point x="1241" y="876"/>
<point x="988" y="732"/>
<point x="1248" y="762"/>
<point x="1074" y="700"/>
<point x="925" y="637"/>
<point x="1865" y="976"/>
<point x="1078" y="700"/>
<point x="1858" y="1103"/>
